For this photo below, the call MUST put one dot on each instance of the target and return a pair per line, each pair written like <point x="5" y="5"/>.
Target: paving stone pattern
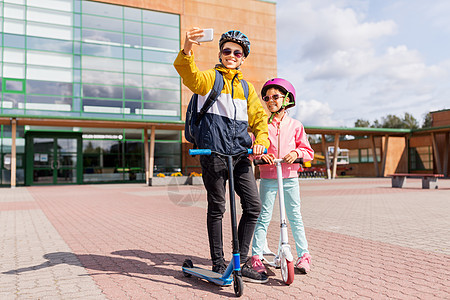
<point x="367" y="240"/>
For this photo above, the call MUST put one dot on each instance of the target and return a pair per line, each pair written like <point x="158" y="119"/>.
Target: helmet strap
<point x="285" y="103"/>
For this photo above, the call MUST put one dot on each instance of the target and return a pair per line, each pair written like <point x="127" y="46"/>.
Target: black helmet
<point x="237" y="37"/>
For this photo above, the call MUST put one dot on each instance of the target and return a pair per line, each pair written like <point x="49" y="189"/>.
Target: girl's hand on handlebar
<point x="268" y="158"/>
<point x="290" y="157"/>
<point x="258" y="149"/>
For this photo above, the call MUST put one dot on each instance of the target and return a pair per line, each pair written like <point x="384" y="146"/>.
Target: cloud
<point x="314" y="113"/>
<point x="348" y="66"/>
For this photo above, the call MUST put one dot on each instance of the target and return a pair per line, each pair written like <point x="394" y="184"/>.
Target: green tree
<point x="410" y="122"/>
<point x="391" y="121"/>
<point x="427" y="121"/>
<point x="362" y="123"/>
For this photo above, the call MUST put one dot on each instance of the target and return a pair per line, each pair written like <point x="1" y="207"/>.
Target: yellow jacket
<point x="226" y="122"/>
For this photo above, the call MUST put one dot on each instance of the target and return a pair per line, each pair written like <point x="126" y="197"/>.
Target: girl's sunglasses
<point x="236" y="53"/>
<point x="274" y="97"/>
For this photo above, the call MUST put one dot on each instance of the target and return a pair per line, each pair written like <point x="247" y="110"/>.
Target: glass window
<point x="102" y="50"/>
<point x="161" y="95"/>
<point x="100" y="91"/>
<point x="13" y="100"/>
<point x="133" y="41"/>
<point x="133" y="27"/>
<point x="131" y="53"/>
<point x="160" y="18"/>
<point x="159" y="56"/>
<point x="49" y="103"/>
<point x="102" y="77"/>
<point x="76" y="75"/>
<point x="48" y="16"/>
<point x="12" y="40"/>
<point x="161" y="109"/>
<point x="13" y="70"/>
<point x="14" y="26"/>
<point x="153" y="43"/>
<point x="102" y="9"/>
<point x="50" y="74"/>
<point x="49" y="87"/>
<point x="102" y="63"/>
<point x="15" y="1"/>
<point x="49" y="59"/>
<point x="159" y="69"/>
<point x="133" y="80"/>
<point x="162" y="82"/>
<point x="133" y="94"/>
<point x="98" y="22"/>
<point x="133" y="66"/>
<point x="49" y="31"/>
<point x="14" y="11"/>
<point x="102" y="106"/>
<point x="77" y="20"/>
<point x="161" y="30"/>
<point x="132" y="14"/>
<point x="105" y="37"/>
<point x="14" y="55"/>
<point x="37" y="43"/>
<point x="421" y="158"/>
<point x="14" y="85"/>
<point x="133" y="107"/>
<point x="64" y="5"/>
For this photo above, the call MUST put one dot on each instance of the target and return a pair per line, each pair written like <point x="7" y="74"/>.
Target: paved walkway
<point x="367" y="240"/>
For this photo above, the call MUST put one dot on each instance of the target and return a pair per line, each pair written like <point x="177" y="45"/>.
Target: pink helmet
<point x="283" y="85"/>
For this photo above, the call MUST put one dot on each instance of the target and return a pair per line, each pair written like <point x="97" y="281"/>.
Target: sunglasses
<point x="273" y="97"/>
<point x="236" y="53"/>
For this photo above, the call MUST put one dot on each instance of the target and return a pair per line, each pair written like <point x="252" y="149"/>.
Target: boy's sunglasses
<point x="227" y="51"/>
<point x="274" y="97"/>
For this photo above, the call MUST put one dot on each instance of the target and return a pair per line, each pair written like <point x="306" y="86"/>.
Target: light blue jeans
<point x="268" y="191"/>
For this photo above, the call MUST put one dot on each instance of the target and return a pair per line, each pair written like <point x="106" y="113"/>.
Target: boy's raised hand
<point x="191" y="38"/>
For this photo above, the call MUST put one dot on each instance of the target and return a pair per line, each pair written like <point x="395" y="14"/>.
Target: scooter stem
<point x="283" y="223"/>
<point x="232" y="205"/>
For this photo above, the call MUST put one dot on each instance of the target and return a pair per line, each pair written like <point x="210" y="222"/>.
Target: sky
<point x="364" y="59"/>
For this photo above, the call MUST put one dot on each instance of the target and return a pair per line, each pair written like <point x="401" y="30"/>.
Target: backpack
<point x="194" y="117"/>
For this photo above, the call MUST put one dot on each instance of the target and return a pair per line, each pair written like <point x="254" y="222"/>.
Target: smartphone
<point x="208" y="37"/>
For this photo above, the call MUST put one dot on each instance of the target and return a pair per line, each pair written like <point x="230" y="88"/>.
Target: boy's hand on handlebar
<point x="268" y="158"/>
<point x="258" y="149"/>
<point x="290" y="157"/>
<point x="191" y="38"/>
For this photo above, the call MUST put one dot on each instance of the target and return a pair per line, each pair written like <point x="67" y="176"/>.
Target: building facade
<point x="84" y="84"/>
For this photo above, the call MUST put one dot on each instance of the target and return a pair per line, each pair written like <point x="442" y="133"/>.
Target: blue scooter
<point x="235" y="265"/>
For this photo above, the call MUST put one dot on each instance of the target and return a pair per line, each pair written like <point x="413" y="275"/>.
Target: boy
<point x="224" y="130"/>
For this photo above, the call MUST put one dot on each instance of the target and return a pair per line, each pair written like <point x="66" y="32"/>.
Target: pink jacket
<point x="286" y="136"/>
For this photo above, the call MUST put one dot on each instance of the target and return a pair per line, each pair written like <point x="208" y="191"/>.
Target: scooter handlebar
<point x="257" y="162"/>
<point x="209" y="152"/>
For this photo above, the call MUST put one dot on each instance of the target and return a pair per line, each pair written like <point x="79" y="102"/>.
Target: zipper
<point x="279" y="138"/>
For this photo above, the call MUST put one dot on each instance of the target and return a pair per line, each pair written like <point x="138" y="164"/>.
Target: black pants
<point x="215" y="176"/>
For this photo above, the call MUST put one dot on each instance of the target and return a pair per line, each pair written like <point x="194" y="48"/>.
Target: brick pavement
<point x="368" y="241"/>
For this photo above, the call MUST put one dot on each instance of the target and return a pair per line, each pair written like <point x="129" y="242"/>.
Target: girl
<point x="288" y="140"/>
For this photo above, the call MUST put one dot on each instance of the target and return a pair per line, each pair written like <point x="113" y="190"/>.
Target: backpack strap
<point x="245" y="87"/>
<point x="213" y="95"/>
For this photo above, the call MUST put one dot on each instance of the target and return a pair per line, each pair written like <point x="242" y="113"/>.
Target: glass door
<point x="53" y="159"/>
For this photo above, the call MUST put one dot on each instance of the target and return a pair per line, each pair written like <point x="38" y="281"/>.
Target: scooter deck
<point x="208" y="275"/>
<point x="269" y="258"/>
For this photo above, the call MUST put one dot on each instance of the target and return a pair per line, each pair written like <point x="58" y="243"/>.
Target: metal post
<point x="152" y="152"/>
<point x="335" y="154"/>
<point x="146" y="156"/>
<point x="13" y="152"/>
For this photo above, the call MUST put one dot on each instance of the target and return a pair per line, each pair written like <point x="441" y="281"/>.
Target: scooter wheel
<point x="187" y="264"/>
<point x="238" y="285"/>
<point x="287" y="271"/>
